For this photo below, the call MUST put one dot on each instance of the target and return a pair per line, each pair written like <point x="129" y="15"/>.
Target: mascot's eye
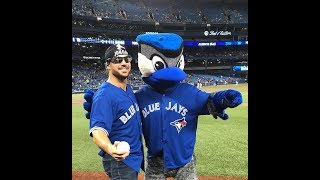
<point x="179" y="64"/>
<point x="158" y="63"/>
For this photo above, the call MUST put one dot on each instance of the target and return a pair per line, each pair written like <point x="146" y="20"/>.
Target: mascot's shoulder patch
<point x="164" y="41"/>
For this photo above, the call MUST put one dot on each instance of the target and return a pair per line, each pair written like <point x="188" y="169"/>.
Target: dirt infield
<point x="103" y="176"/>
<point x="77" y="101"/>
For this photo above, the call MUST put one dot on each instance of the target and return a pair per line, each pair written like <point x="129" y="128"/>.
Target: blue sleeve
<point x="202" y="98"/>
<point x="101" y="113"/>
<point x="197" y="98"/>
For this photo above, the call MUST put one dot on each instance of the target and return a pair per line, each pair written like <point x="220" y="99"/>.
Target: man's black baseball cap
<point x="115" y="50"/>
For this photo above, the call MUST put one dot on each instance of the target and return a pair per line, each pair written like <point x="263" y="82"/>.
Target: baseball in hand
<point x="123" y="146"/>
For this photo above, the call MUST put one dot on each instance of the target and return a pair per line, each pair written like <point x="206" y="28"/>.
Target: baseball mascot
<point x="170" y="108"/>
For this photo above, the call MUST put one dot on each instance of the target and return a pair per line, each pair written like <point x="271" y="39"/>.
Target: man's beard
<point x="120" y="77"/>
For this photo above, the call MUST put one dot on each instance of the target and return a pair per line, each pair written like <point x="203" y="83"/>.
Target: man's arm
<point x="101" y="139"/>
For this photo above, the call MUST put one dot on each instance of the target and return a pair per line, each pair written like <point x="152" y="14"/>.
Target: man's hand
<point x="118" y="155"/>
<point x="101" y="139"/>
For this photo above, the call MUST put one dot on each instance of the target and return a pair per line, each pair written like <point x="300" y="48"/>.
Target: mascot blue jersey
<point x="116" y="112"/>
<point x="169" y="121"/>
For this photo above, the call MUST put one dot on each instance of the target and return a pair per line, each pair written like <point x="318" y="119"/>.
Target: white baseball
<point x="123" y="146"/>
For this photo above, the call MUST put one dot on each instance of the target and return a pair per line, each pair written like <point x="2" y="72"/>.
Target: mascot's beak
<point x="170" y="74"/>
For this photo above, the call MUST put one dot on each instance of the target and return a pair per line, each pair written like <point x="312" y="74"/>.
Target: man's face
<point x="120" y="66"/>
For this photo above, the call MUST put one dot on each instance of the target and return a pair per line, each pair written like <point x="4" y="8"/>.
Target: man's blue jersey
<point x="116" y="112"/>
<point x="170" y="120"/>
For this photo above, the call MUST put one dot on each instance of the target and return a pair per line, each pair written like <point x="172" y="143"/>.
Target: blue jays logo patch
<point x="179" y="124"/>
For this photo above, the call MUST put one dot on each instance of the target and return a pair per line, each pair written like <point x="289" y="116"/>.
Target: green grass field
<point x="221" y="147"/>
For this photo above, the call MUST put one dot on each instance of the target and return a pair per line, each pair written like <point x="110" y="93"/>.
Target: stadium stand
<point x="194" y="20"/>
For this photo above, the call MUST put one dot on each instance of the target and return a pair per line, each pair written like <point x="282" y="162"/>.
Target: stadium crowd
<point x="89" y="74"/>
<point x="88" y="70"/>
<point x="221" y="55"/>
<point x="164" y="11"/>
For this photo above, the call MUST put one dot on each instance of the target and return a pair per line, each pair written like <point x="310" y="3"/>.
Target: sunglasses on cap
<point x="118" y="60"/>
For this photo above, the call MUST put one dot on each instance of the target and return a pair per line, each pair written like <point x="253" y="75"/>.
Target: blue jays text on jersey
<point x="169" y="121"/>
<point x="116" y="112"/>
<point x="131" y="111"/>
<point x="170" y="107"/>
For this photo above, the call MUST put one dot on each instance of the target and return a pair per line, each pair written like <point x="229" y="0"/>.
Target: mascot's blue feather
<point x="164" y="41"/>
<point x="170" y="74"/>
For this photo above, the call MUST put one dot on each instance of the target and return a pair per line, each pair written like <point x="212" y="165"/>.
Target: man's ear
<point x="107" y="66"/>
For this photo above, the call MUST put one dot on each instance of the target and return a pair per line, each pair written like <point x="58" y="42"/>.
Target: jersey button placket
<point x="164" y="141"/>
<point x="164" y="134"/>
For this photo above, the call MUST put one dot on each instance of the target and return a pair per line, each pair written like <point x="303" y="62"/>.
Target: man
<point x="115" y="117"/>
